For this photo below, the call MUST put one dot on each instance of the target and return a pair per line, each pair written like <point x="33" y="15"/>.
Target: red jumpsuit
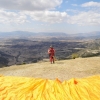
<point x="51" y="53"/>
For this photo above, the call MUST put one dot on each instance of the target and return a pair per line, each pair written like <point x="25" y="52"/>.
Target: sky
<point x="68" y="16"/>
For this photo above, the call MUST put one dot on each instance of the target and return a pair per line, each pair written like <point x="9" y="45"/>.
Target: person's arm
<point x="48" y="51"/>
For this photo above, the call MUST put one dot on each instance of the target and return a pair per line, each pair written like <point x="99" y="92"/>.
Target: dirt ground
<point x="63" y="70"/>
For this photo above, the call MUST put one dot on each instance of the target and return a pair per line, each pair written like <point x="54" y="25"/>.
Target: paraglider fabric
<point x="24" y="88"/>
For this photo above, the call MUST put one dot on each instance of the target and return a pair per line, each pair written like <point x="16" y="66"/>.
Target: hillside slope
<point x="63" y="70"/>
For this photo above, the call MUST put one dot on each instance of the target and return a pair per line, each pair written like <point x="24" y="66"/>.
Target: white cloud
<point x="38" y="10"/>
<point x="42" y="16"/>
<point x="29" y="5"/>
<point x="91" y="4"/>
<point x="90" y="16"/>
<point x="48" y="16"/>
<point x="78" y="17"/>
<point x="12" y="17"/>
<point x="85" y="18"/>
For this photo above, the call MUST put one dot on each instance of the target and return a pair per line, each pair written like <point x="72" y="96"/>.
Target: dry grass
<point x="63" y="70"/>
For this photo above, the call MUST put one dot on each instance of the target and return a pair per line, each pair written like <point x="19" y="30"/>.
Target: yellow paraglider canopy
<point x="23" y="88"/>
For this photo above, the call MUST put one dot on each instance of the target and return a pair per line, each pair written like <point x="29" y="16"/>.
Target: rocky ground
<point x="63" y="70"/>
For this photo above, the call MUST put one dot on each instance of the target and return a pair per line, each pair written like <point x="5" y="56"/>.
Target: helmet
<point x="51" y="46"/>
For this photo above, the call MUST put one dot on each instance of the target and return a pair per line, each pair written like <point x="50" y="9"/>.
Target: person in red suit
<point x="51" y="52"/>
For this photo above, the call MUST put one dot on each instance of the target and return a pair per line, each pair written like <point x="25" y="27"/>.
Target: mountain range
<point x="25" y="34"/>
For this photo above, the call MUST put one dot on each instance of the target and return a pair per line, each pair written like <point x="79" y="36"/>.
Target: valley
<point x="19" y="47"/>
<point x="25" y="51"/>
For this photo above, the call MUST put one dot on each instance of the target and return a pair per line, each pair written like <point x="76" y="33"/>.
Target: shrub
<point x="74" y="55"/>
<point x="23" y="63"/>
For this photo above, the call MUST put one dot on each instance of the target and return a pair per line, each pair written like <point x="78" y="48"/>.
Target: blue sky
<point x="69" y="16"/>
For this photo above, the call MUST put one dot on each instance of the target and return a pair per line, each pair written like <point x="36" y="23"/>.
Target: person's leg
<point x="53" y="59"/>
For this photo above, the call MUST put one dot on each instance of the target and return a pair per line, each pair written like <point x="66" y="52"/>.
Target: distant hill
<point x="26" y="34"/>
<point x="89" y="35"/>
